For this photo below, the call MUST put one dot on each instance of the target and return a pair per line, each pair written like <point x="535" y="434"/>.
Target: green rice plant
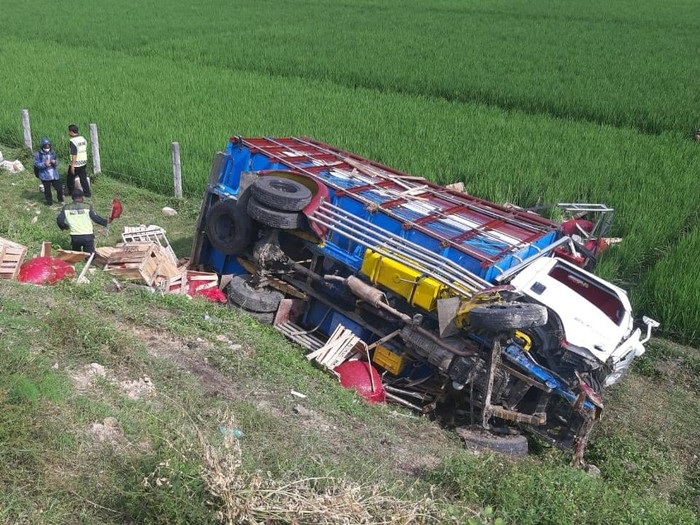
<point x="671" y="289"/>
<point x="525" y="495"/>
<point x="602" y="62"/>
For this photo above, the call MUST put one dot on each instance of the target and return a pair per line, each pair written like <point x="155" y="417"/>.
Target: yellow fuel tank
<point x="416" y="287"/>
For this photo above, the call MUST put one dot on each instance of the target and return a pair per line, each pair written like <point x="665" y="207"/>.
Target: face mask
<point x="47" y="149"/>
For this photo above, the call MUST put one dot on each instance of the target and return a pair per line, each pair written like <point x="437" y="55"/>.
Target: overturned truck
<point x="485" y="316"/>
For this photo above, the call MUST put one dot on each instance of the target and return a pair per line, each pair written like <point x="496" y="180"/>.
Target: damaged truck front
<point x="477" y="313"/>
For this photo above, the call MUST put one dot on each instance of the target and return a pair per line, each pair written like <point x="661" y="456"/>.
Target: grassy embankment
<point x="169" y="453"/>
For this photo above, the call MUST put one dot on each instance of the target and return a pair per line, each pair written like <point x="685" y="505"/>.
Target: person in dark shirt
<point x="46" y="170"/>
<point x="78" y="217"/>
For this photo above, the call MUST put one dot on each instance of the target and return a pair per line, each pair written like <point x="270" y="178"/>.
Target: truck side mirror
<point x="651" y="324"/>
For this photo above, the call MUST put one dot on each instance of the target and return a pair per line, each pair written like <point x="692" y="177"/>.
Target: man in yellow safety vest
<point x="78" y="161"/>
<point x="78" y="217"/>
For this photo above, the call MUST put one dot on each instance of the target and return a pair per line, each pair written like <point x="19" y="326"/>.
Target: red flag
<point x="116" y="209"/>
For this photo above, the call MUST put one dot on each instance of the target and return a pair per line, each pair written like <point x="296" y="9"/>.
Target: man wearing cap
<point x="78" y="161"/>
<point x="78" y="217"/>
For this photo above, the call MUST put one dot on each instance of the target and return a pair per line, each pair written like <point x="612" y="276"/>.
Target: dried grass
<point x="256" y="498"/>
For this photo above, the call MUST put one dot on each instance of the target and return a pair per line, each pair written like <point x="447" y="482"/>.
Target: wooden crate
<point x="102" y="255"/>
<point x="144" y="261"/>
<point x="151" y="233"/>
<point x="11" y="258"/>
<point x="201" y="280"/>
<point x="176" y="284"/>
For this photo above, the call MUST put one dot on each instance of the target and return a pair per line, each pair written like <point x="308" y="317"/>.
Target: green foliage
<point x="628" y="463"/>
<point x="524" y="493"/>
<point x="662" y="354"/>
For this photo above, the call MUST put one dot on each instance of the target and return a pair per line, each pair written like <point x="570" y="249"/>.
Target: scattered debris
<point x="13" y="166"/>
<point x="143" y="261"/>
<point x="169" y="212"/>
<point x="303" y="411"/>
<point x="45" y="249"/>
<point x="81" y="278"/>
<point x="45" y="270"/>
<point x="102" y="255"/>
<point x="11" y="258"/>
<point x="70" y="256"/>
<point x="145" y="255"/>
<point x="149" y="233"/>
<point x="456" y="186"/>
<point x="341" y="346"/>
<point x="363" y="377"/>
<point x="298" y="394"/>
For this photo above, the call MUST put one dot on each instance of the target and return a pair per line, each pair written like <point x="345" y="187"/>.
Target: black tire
<point x="228" y="226"/>
<point x="499" y="317"/>
<point x="242" y="295"/>
<point x="478" y="438"/>
<point x="284" y="220"/>
<point x="281" y="194"/>
<point x="261" y="317"/>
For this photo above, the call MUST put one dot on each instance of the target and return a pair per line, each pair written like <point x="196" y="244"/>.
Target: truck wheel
<point x="513" y="445"/>
<point x="228" y="227"/>
<point x="284" y="220"/>
<point x="281" y="194"/>
<point x="261" y="317"/>
<point x="500" y="317"/>
<point x="242" y="295"/>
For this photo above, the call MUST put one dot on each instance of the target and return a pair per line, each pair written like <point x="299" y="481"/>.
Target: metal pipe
<point x="344" y="220"/>
<point x="403" y="402"/>
<point x="370" y="294"/>
<point x="446" y="278"/>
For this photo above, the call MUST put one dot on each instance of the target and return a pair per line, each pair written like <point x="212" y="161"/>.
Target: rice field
<point x="524" y="102"/>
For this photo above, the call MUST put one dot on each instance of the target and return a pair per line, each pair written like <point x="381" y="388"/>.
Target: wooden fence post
<point x="95" y="141"/>
<point x="177" y="171"/>
<point x="27" y="129"/>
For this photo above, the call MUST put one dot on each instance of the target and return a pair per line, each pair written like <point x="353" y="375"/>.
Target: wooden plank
<point x="45" y="249"/>
<point x="71" y="256"/>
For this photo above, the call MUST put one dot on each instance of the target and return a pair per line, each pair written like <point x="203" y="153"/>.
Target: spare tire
<point x="243" y="295"/>
<point x="228" y="226"/>
<point x="284" y="220"/>
<point x="513" y="445"/>
<point x="499" y="317"/>
<point x="280" y="193"/>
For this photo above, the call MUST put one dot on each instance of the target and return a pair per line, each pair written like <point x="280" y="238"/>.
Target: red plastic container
<point x="356" y="374"/>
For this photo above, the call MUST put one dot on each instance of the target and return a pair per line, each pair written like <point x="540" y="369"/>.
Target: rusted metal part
<point x="403" y="402"/>
<point x="493" y="363"/>
<point x="518" y="417"/>
<point x="581" y="441"/>
<point x="384" y="339"/>
<point x="593" y="396"/>
<point x="370" y="294"/>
